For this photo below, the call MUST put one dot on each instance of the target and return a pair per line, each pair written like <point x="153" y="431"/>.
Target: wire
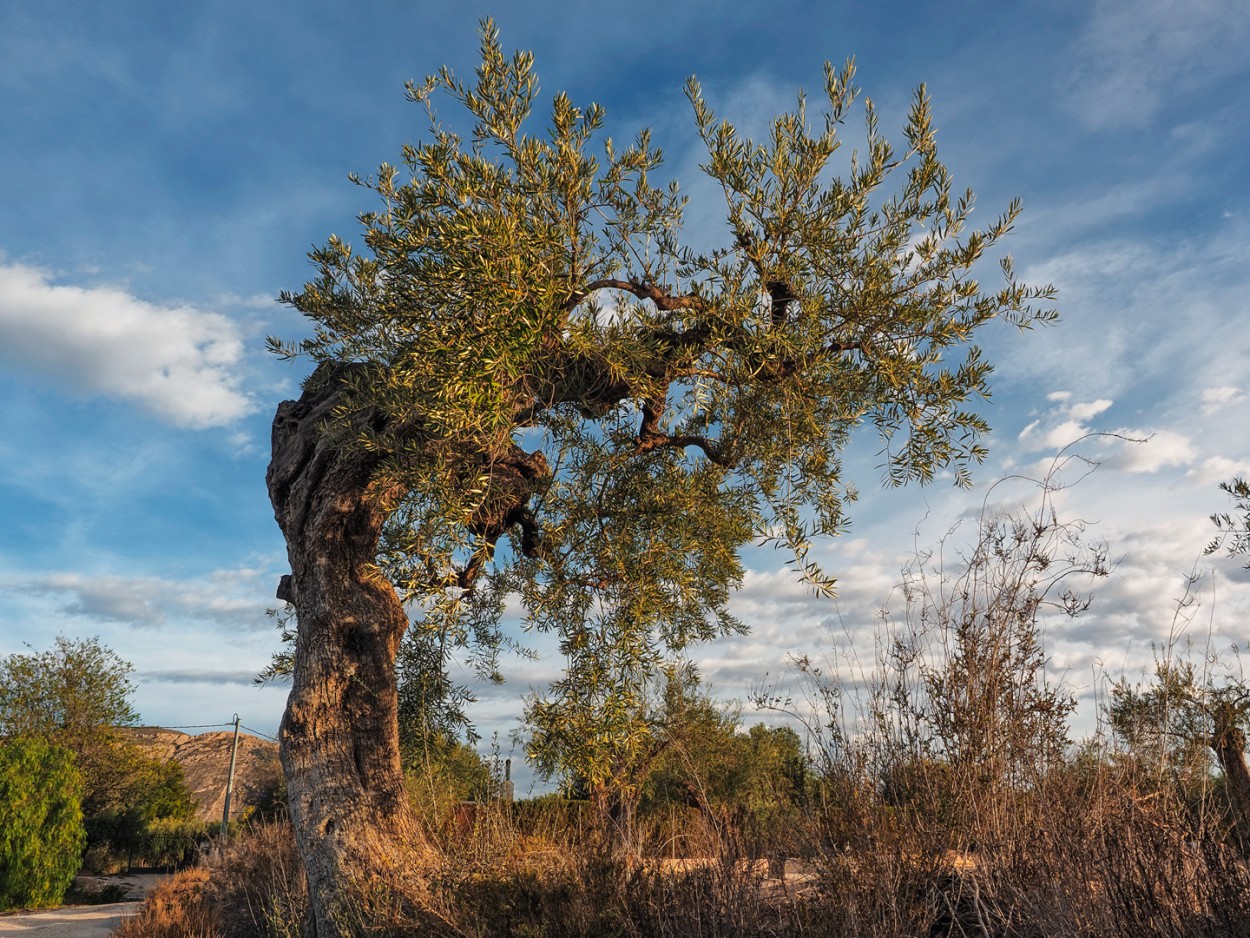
<point x="195" y="726"/>
<point x="257" y="732"/>
<point x="209" y="726"/>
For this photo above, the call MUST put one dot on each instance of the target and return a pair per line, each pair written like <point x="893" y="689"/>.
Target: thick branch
<point x="650" y="436"/>
<point x="644" y="291"/>
<point x="514" y="478"/>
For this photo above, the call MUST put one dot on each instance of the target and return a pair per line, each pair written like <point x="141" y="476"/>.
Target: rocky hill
<point x="205" y="761"/>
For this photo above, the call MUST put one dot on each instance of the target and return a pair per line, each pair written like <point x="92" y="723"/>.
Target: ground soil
<point x="82" y="921"/>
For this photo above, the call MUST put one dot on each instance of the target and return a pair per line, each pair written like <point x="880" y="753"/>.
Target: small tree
<point x="964" y="679"/>
<point x="41" y="832"/>
<point x="76" y="696"/>
<point x="144" y="791"/>
<point x="73" y="689"/>
<point x="1180" y="711"/>
<point x="959" y="720"/>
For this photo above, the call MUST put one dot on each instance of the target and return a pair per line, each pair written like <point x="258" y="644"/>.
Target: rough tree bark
<point x="1229" y="743"/>
<point x="339" y="736"/>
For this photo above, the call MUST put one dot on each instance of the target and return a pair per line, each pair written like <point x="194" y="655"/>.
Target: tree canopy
<point x="70" y="690"/>
<point x="41" y="833"/>
<point x="569" y="404"/>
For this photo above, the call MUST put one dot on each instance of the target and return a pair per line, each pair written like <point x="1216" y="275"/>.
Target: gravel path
<point x="75" y="921"/>
<point x="83" y="921"/>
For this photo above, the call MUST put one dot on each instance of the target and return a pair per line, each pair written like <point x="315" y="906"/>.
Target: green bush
<point x="41" y="832"/>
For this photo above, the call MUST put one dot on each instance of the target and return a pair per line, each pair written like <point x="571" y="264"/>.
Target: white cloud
<point x="175" y="362"/>
<point x="1132" y="56"/>
<point x="1088" y="410"/>
<point x="1160" y="449"/>
<point x="1060" y="435"/>
<point x="236" y="599"/>
<point x="1215" y="469"/>
<point x="1214" y="399"/>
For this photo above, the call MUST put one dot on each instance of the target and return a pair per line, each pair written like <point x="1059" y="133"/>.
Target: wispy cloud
<point x="176" y="362"/>
<point x="235" y="599"/>
<point x="194" y="676"/>
<point x="1214" y="399"/>
<point x="1132" y="55"/>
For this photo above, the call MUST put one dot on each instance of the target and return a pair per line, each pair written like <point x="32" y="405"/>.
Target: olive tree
<point x="530" y="388"/>
<point x="1186" y="711"/>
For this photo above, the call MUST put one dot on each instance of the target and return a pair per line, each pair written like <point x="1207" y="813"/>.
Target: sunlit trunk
<point x="1229" y="743"/>
<point x="339" y="737"/>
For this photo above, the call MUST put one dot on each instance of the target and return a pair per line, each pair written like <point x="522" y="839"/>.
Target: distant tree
<point x="1180" y="710"/>
<point x="747" y="784"/>
<point x="1185" y="715"/>
<point x="143" y="790"/>
<point x="41" y="832"/>
<point x="680" y="748"/>
<point x="76" y="696"/>
<point x="601" y="744"/>
<point x="530" y="384"/>
<point x="70" y="691"/>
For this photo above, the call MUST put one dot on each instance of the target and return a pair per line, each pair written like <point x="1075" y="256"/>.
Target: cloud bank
<point x="174" y="362"/>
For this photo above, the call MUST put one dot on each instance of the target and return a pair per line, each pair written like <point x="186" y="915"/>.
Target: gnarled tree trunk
<point x="339" y="738"/>
<point x="1229" y="743"/>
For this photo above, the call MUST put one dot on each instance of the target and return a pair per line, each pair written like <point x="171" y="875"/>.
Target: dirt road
<point x="75" y="921"/>
<point x="82" y="921"/>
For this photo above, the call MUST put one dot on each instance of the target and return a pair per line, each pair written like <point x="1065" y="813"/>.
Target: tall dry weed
<point x="251" y="888"/>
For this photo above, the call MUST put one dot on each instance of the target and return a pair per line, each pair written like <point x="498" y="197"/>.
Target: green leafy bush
<point x="41" y="832"/>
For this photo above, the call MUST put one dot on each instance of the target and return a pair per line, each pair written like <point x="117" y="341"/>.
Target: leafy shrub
<point x="41" y="833"/>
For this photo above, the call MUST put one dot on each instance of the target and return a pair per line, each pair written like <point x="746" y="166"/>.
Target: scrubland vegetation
<point x="942" y="793"/>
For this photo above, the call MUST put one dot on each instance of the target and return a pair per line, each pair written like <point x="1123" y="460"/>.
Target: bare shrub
<point x="252" y="887"/>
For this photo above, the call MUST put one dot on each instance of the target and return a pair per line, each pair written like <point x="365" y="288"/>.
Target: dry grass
<point x="252" y="887"/>
<point x="1107" y="860"/>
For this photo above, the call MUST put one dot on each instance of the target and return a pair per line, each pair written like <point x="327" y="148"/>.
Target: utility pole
<point x="225" y="813"/>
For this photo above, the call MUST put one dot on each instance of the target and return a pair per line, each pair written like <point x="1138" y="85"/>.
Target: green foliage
<point x="706" y="759"/>
<point x="432" y="718"/>
<point x="174" y="843"/>
<point x="147" y="794"/>
<point x="76" y="696"/>
<point x="41" y="832"/>
<point x="1174" y="720"/>
<point x="443" y="775"/>
<point x="687" y="752"/>
<point x="573" y="406"/>
<point x="69" y="691"/>
<point x="1234" y="536"/>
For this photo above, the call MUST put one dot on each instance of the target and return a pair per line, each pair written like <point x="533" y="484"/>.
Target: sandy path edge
<point x="71" y="921"/>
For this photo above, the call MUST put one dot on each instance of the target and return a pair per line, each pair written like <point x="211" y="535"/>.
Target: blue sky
<point x="164" y="167"/>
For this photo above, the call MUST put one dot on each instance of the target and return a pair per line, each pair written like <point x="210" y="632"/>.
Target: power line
<point x="210" y="726"/>
<point x="273" y="739"/>
<point x="195" y="726"/>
